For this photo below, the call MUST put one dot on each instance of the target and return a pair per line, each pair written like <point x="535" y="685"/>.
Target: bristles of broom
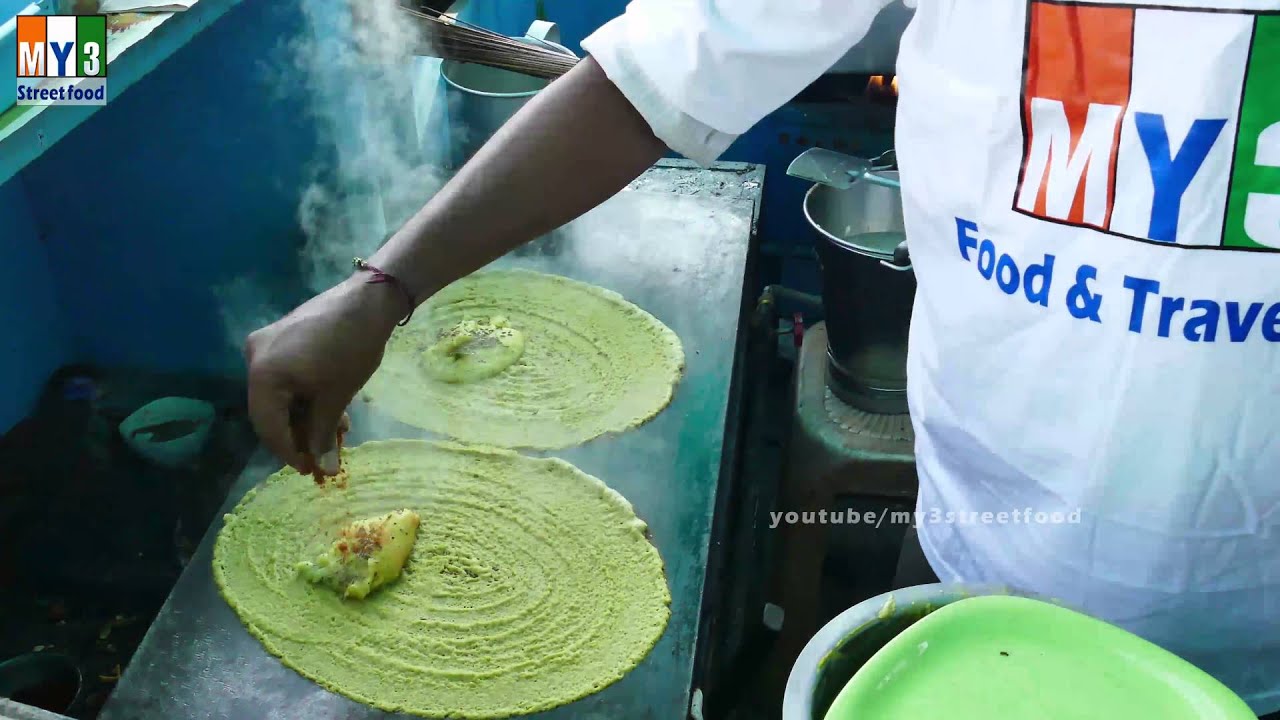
<point x="451" y="39"/>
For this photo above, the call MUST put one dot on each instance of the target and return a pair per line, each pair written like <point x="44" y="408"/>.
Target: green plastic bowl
<point x="1016" y="658"/>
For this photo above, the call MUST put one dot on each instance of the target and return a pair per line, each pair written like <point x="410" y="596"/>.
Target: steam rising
<point x="381" y="153"/>
<point x="354" y="61"/>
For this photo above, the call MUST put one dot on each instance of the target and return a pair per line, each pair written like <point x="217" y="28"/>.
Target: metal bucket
<point x="867" y="291"/>
<point x="48" y="681"/>
<point x="481" y="98"/>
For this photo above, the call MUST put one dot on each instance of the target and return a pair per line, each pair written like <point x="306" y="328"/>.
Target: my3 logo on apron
<point x="1166" y="142"/>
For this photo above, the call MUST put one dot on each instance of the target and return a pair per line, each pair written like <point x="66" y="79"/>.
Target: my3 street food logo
<point x="1156" y="124"/>
<point x="62" y="60"/>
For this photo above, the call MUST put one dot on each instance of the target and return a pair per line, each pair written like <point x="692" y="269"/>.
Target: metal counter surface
<point x="677" y="244"/>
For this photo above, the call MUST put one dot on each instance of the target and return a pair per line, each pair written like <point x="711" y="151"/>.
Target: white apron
<point x="1092" y="199"/>
<point x="1093" y="209"/>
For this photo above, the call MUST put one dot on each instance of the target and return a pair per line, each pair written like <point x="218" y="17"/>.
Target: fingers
<point x="269" y="405"/>
<point x="328" y="418"/>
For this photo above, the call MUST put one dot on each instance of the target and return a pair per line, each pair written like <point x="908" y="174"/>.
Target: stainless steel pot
<point x="481" y="98"/>
<point x="867" y="290"/>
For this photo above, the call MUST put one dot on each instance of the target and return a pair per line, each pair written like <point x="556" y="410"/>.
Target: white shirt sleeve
<point x="702" y="72"/>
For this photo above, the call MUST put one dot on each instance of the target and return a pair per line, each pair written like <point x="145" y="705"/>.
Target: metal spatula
<point x="841" y="171"/>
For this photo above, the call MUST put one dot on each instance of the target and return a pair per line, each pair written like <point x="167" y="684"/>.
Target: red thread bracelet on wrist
<point x="380" y="276"/>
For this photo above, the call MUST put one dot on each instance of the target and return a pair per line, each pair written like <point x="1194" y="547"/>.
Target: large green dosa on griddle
<point x="530" y="585"/>
<point x="592" y="363"/>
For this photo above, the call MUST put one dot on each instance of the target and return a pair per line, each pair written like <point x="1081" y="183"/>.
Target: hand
<point x="305" y="368"/>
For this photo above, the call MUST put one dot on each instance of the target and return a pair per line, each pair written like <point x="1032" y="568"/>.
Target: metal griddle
<point x="677" y="243"/>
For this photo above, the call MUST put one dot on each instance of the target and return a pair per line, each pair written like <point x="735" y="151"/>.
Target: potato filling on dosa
<point x="522" y="359"/>
<point x="529" y="584"/>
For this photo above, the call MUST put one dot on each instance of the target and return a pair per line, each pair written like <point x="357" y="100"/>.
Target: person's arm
<point x="570" y="148"/>
<point x="685" y="74"/>
<point x="696" y="72"/>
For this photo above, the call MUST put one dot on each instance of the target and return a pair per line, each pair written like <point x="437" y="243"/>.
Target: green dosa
<point x="554" y="363"/>
<point x="530" y="583"/>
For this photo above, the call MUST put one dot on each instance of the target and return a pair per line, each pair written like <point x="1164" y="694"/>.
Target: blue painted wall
<point x="169" y="220"/>
<point x="181" y="185"/>
<point x="189" y="179"/>
<point x="33" y="332"/>
<point x="9" y="8"/>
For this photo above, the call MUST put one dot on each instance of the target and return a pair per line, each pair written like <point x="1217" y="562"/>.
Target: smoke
<point x="354" y="61"/>
<point x="381" y="140"/>
<point x="375" y="108"/>
<point x="246" y="304"/>
<point x="381" y="150"/>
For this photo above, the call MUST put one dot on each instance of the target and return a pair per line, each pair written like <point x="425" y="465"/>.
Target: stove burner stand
<point x="835" y="451"/>
<point x="887" y="402"/>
